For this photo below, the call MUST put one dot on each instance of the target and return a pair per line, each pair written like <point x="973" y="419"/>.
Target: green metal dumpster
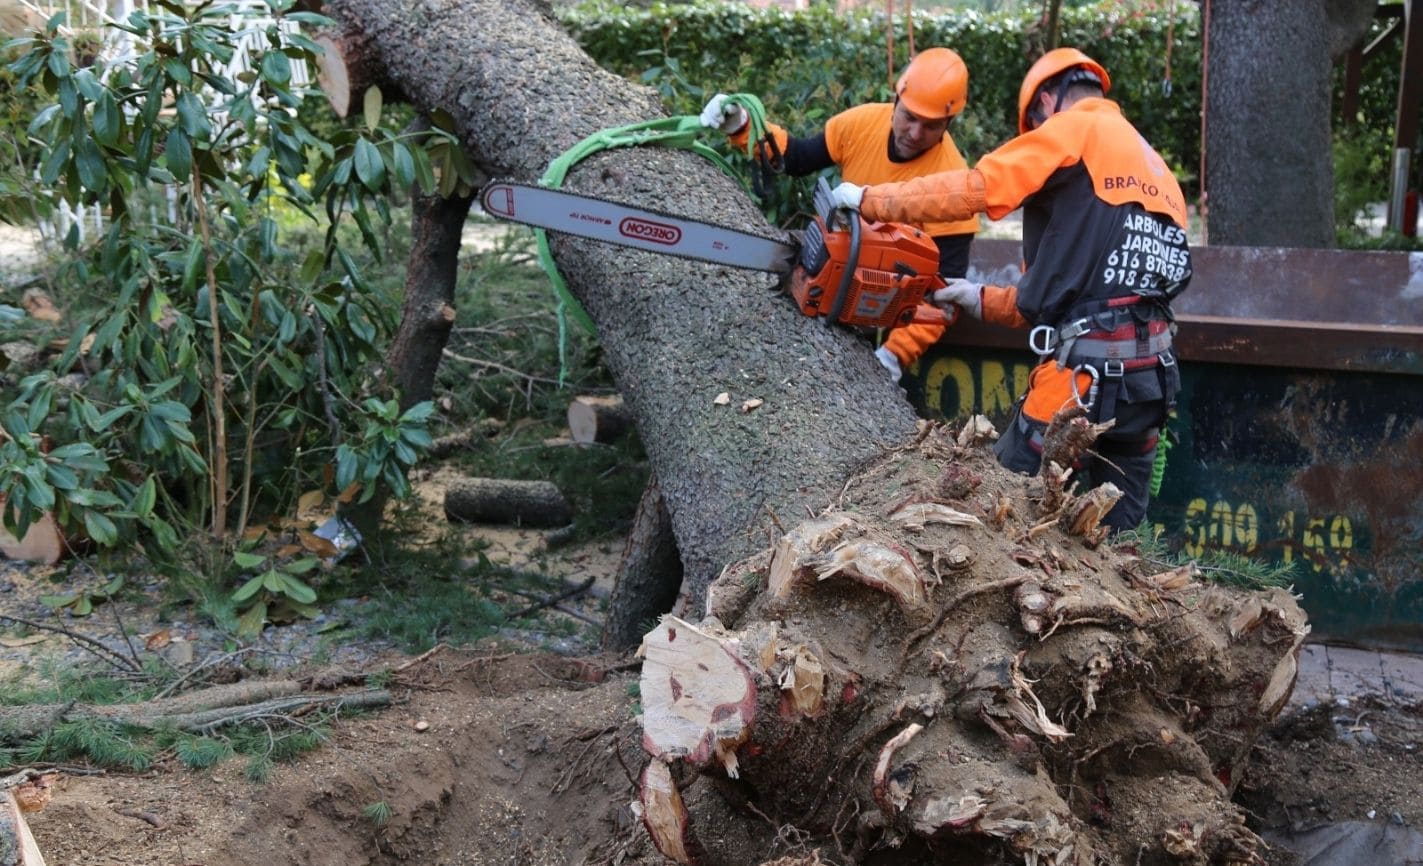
<point x="1299" y="429"/>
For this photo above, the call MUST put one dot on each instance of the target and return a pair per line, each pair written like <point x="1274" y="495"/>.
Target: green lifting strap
<point x="1158" y="463"/>
<point x="681" y="132"/>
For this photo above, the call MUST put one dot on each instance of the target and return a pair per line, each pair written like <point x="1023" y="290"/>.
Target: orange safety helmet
<point x="934" y="84"/>
<point x="1050" y="64"/>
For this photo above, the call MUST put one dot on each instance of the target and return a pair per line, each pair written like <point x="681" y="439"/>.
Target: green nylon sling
<point x="681" y="132"/>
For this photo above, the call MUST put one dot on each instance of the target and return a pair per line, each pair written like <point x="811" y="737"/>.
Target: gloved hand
<point x="847" y="195"/>
<point x="719" y="115"/>
<point x="890" y="362"/>
<point x="965" y="295"/>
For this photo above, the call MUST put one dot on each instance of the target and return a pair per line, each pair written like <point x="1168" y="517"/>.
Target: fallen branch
<point x="553" y="602"/>
<point x="200" y="711"/>
<point x="87" y="643"/>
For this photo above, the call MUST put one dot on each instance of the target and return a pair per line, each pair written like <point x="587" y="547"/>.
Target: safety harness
<point x="1106" y="340"/>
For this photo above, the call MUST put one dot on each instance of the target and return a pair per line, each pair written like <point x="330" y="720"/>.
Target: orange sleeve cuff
<point x="945" y="197"/>
<point x="782" y="138"/>
<point x="911" y="341"/>
<point x="1000" y="307"/>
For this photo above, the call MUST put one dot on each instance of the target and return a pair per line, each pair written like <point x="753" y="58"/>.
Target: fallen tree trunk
<point x="520" y="93"/>
<point x="505" y="500"/>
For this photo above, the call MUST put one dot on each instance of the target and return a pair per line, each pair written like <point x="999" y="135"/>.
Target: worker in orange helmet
<point x="882" y="143"/>
<point x="1104" y="239"/>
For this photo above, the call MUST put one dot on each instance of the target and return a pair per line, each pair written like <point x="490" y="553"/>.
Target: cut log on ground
<point x="598" y="418"/>
<point x="1043" y="698"/>
<point x="505" y="500"/>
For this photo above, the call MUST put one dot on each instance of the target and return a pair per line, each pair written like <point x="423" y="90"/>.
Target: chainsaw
<point x="842" y="267"/>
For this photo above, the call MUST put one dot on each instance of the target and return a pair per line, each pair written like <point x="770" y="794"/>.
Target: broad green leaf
<point x="145" y="497"/>
<point x="89" y="162"/>
<point x="276" y="67"/>
<point x="372" y="108"/>
<point x="108" y="122"/>
<point x="273" y="580"/>
<point x="312" y="267"/>
<point x="100" y="528"/>
<point x="423" y="172"/>
<point x="298" y="590"/>
<point x="251" y="622"/>
<point x="370" y="168"/>
<point x="248" y="589"/>
<point x="178" y="153"/>
<point x="402" y="164"/>
<point x="245" y="559"/>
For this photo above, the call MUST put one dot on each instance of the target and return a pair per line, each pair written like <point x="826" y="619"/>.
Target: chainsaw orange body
<point x="872" y="275"/>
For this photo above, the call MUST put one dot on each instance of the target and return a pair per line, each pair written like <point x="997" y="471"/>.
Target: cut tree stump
<point x="42" y="543"/>
<point x="598" y="419"/>
<point x="504" y="500"/>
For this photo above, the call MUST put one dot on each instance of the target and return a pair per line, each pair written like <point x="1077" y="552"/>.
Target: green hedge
<point x="810" y="64"/>
<point x="807" y="65"/>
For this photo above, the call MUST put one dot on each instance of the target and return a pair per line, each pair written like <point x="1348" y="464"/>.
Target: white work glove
<point x="719" y="115"/>
<point x="965" y="295"/>
<point x="890" y="362"/>
<point x="847" y="195"/>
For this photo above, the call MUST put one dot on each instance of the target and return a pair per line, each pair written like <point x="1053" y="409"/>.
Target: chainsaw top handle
<point x="829" y="212"/>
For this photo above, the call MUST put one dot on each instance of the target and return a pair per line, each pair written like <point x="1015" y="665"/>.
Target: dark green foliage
<point x="102" y="742"/>
<point x="232" y="290"/>
<point x="808" y="65"/>
<point x="198" y="753"/>
<point x="1224" y="567"/>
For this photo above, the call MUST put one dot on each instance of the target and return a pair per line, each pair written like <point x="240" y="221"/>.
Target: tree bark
<point x="675" y="333"/>
<point x="649" y="574"/>
<point x="1269" y="159"/>
<point x="503" y="500"/>
<point x="17" y="843"/>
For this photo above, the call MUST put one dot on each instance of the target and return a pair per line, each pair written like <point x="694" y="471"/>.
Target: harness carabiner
<point x="1042" y="340"/>
<point x="1091" y="389"/>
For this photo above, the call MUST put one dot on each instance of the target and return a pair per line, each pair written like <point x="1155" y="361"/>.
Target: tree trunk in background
<point x="436" y="225"/>
<point x="675" y="333"/>
<point x="1269" y="158"/>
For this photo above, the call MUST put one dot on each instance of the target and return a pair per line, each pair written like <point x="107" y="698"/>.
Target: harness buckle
<point x="1167" y="358"/>
<point x="1091" y="389"/>
<point x="1113" y="368"/>
<point x="1042" y="340"/>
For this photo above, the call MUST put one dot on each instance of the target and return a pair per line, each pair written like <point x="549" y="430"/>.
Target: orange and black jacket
<point x="1103" y="219"/>
<point x="859" y="141"/>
